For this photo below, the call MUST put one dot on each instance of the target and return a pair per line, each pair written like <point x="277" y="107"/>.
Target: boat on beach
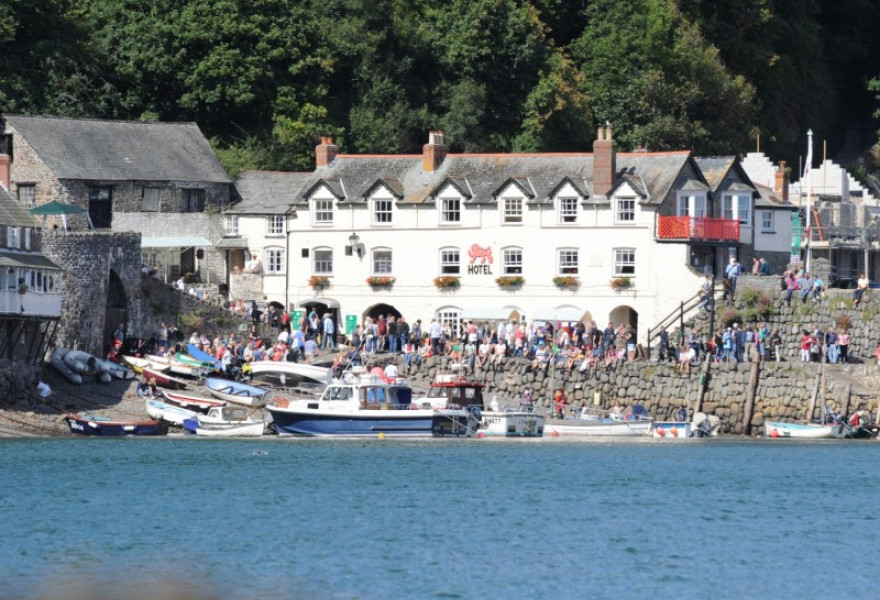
<point x="289" y="376"/>
<point x="702" y="425"/>
<point x="194" y="362"/>
<point x="137" y="364"/>
<point x="455" y="391"/>
<point x="807" y="431"/>
<point x="225" y="421"/>
<point x="106" y="427"/>
<point x="236" y="392"/>
<point x="369" y="404"/>
<point x="164" y="379"/>
<point x="162" y="411"/>
<point x="193" y="403"/>
<point x="180" y="368"/>
<point x="199" y="354"/>
<point x="591" y="423"/>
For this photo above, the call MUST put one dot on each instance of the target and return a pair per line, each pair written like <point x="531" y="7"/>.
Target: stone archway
<point x="381" y="309"/>
<point x="116" y="310"/>
<point x="626" y="315"/>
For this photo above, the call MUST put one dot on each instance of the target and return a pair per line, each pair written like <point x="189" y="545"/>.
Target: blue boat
<point x="203" y="356"/>
<point x="102" y="426"/>
<point x="368" y="405"/>
<point x="236" y="391"/>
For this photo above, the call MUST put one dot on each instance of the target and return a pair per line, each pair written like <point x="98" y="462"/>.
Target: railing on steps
<point x="684" y="308"/>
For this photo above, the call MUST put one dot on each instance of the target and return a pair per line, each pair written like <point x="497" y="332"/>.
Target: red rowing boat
<point x="166" y="381"/>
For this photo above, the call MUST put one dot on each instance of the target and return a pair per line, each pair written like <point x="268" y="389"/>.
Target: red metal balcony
<point x="697" y="229"/>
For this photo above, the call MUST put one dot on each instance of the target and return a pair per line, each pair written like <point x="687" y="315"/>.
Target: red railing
<point x="698" y="229"/>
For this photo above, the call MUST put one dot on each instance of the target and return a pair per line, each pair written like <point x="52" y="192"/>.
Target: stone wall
<point x="87" y="257"/>
<point x="784" y="390"/>
<point x="246" y="286"/>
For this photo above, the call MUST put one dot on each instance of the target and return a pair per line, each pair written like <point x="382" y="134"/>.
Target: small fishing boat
<point x="193" y="362"/>
<point x="193" y="403"/>
<point x="455" y="391"/>
<point x="591" y="423"/>
<point x="236" y="391"/>
<point x="118" y="370"/>
<point x="179" y="368"/>
<point x="105" y="427"/>
<point x="807" y="431"/>
<point x="225" y="421"/>
<point x="199" y="354"/>
<point x="702" y="425"/>
<point x="369" y="404"/>
<point x="137" y="364"/>
<point x="164" y="411"/>
<point x="165" y="380"/>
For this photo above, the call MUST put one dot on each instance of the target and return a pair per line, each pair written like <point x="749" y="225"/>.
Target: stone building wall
<point x="87" y="259"/>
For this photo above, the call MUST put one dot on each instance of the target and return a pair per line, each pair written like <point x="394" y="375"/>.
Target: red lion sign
<point x="483" y="254"/>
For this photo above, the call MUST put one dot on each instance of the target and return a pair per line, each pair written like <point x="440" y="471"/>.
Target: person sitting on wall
<point x="253" y="265"/>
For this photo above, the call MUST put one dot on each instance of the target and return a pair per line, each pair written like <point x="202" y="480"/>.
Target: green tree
<point x="650" y="73"/>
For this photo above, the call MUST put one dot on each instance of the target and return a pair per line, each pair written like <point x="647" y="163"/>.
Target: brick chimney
<point x="604" y="161"/>
<point x="434" y="151"/>
<point x="5" y="162"/>
<point x="780" y="188"/>
<point x="325" y="152"/>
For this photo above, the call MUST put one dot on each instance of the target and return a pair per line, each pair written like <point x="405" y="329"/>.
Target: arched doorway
<point x="116" y="311"/>
<point x="625" y="315"/>
<point x="382" y="309"/>
<point x="321" y="306"/>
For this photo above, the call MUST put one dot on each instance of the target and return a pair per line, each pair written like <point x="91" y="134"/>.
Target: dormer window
<point x="737" y="206"/>
<point x="323" y="211"/>
<point x="450" y="210"/>
<point x="567" y="210"/>
<point x="513" y="211"/>
<point x="382" y="211"/>
<point x="625" y="210"/>
<point x="691" y="205"/>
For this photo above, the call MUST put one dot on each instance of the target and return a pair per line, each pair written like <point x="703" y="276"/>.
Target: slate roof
<point x="267" y="192"/>
<point x="717" y="169"/>
<point x="12" y="212"/>
<point x="120" y="150"/>
<point x="767" y="198"/>
<point x="480" y="176"/>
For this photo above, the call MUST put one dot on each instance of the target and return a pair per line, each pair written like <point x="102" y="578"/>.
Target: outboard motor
<point x="475" y="419"/>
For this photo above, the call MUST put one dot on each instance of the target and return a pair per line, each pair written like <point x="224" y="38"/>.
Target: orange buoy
<point x="554" y="434"/>
<point x="481" y="435"/>
<point x="674" y="431"/>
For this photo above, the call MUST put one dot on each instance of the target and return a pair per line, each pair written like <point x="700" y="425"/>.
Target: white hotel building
<point x="652" y="219"/>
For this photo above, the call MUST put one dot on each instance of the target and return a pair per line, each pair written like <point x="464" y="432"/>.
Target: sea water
<point x="341" y="519"/>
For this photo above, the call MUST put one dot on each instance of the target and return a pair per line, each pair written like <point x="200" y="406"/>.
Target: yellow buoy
<point x="381" y="436"/>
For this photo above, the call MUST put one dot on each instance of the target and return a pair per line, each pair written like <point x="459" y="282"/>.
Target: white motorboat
<point x="809" y="431"/>
<point x="180" y="368"/>
<point x="225" y="421"/>
<point x="289" y="376"/>
<point x="590" y="423"/>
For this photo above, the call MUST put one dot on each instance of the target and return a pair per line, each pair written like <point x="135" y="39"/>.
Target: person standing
<point x="559" y="404"/>
<point x="732" y="272"/>
<point x="435" y="331"/>
<point x="843" y="345"/>
<point x="831" y="345"/>
<point x="402" y="331"/>
<point x="328" y="340"/>
<point x="392" y="333"/>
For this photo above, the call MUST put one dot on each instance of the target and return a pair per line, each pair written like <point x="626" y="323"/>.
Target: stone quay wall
<point x="783" y="391"/>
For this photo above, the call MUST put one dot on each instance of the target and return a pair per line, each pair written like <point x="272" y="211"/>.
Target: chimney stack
<point x="5" y="162"/>
<point x="781" y="185"/>
<point x="604" y="161"/>
<point x="433" y="152"/>
<point x="325" y="152"/>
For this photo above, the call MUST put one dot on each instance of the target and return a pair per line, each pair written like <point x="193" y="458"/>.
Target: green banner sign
<point x="351" y="322"/>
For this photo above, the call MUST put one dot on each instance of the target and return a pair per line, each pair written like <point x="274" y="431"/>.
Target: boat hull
<point x="671" y="430"/>
<point x="511" y="424"/>
<point x="109" y="428"/>
<point x="236" y="392"/>
<point x="806" y="431"/>
<point x="589" y="428"/>
<point x="254" y="429"/>
<point x="165" y="380"/>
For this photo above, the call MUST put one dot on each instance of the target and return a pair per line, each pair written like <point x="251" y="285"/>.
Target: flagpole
<point x="807" y="166"/>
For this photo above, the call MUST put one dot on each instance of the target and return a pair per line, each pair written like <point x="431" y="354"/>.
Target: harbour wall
<point x="783" y="391"/>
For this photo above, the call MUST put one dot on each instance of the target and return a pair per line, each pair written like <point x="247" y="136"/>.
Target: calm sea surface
<point x="440" y="519"/>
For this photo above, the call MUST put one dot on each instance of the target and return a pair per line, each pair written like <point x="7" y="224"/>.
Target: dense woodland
<point x="265" y="79"/>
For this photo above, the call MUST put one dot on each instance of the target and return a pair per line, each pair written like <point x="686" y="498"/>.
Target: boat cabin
<point x="366" y="392"/>
<point x="453" y="391"/>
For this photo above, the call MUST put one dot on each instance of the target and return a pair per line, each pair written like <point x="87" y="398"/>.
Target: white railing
<point x="47" y="304"/>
